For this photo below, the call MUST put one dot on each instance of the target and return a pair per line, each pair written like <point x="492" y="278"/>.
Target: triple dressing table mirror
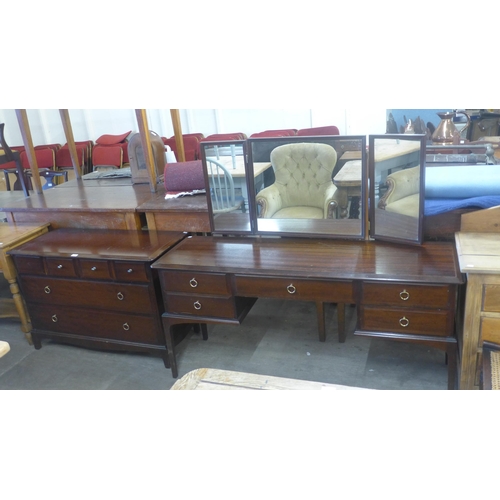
<point x="397" y="187"/>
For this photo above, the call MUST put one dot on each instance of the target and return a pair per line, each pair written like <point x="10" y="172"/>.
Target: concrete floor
<point x="278" y="338"/>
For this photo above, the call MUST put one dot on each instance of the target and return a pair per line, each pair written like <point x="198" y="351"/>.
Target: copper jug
<point x="446" y="132"/>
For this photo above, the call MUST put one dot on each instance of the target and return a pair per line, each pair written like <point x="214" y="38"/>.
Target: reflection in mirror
<point x="309" y="185"/>
<point x="224" y="166"/>
<point x="397" y="170"/>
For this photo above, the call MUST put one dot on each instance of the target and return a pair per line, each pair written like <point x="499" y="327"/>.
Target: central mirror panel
<point x="308" y="186"/>
<point x="397" y="187"/>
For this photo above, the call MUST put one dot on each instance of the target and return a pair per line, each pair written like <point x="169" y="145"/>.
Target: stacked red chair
<point x="276" y="133"/>
<point x="111" y="141"/>
<point x="328" y="130"/>
<point x="191" y="145"/>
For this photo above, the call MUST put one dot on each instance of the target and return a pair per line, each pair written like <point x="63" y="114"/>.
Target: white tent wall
<point x="46" y="125"/>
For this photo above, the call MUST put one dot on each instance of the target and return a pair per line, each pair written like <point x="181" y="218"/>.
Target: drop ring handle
<point x="404" y="295"/>
<point x="193" y="283"/>
<point x="291" y="289"/>
<point x="404" y="322"/>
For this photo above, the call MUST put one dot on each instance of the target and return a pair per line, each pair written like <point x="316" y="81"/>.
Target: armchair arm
<point x="331" y="202"/>
<point x="400" y="185"/>
<point x="269" y="201"/>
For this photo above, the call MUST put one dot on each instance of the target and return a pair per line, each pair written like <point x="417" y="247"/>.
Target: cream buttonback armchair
<point x="402" y="195"/>
<point x="303" y="188"/>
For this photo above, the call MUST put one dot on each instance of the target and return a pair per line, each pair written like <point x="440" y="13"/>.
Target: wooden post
<point x="68" y="131"/>
<point x="22" y="118"/>
<point x="142" y="120"/>
<point x="176" y="122"/>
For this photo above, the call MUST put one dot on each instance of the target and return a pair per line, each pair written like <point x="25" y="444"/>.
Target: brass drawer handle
<point x="126" y="327"/>
<point x="120" y="296"/>
<point x="59" y="266"/>
<point x="197" y="305"/>
<point x="404" y="322"/>
<point x="93" y="268"/>
<point x="404" y="295"/>
<point x="130" y="270"/>
<point x="54" y="318"/>
<point x="193" y="283"/>
<point x="47" y="289"/>
<point x="291" y="289"/>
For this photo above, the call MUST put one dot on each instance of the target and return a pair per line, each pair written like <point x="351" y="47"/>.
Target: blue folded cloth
<point x="436" y="206"/>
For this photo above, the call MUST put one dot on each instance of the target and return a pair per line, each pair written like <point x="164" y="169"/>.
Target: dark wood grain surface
<point x="433" y="262"/>
<point x="101" y="244"/>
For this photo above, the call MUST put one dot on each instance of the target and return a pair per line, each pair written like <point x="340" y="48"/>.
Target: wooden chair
<point x="108" y="156"/>
<point x="222" y="192"/>
<point x="490" y="377"/>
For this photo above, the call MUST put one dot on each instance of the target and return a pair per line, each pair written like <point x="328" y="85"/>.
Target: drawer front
<point x="203" y="305"/>
<point x="131" y="271"/>
<point x="29" y="265"/>
<point x="490" y="330"/>
<point x="434" y="323"/>
<point x="199" y="283"/>
<point x="60" y="267"/>
<point x="113" y="296"/>
<point x="491" y="298"/>
<point x="404" y="295"/>
<point x="292" y="288"/>
<point x="95" y="269"/>
<point x="98" y="324"/>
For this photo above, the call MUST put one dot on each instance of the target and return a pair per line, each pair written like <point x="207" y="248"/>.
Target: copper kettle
<point x="446" y="132"/>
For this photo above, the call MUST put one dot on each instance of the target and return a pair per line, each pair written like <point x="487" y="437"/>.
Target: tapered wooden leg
<point x="452" y="356"/>
<point x="169" y="340"/>
<point x="320" y="309"/>
<point x="204" y="331"/>
<point x="341" y="322"/>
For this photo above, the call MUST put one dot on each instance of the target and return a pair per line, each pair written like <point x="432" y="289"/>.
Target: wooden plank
<point x="211" y="379"/>
<point x="22" y="118"/>
<point x="142" y="120"/>
<point x="176" y="122"/>
<point x="4" y="348"/>
<point x="481" y="221"/>
<point x="68" y="131"/>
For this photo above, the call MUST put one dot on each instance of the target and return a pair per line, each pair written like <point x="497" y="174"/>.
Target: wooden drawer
<point x="491" y="298"/>
<point x="194" y="282"/>
<point x="292" y="288"/>
<point x="29" y="265"/>
<point x="404" y="295"/>
<point x="434" y="323"/>
<point x="131" y="271"/>
<point x="95" y="269"/>
<point x="203" y="305"/>
<point x="490" y="330"/>
<point x="113" y="296"/>
<point x="60" y="267"/>
<point x="99" y="324"/>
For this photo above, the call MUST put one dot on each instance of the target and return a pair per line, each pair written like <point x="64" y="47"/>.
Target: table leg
<point x="341" y="322"/>
<point x="21" y="308"/>
<point x="169" y="339"/>
<point x="320" y="309"/>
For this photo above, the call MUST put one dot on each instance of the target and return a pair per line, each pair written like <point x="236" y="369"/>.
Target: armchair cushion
<point x="303" y="187"/>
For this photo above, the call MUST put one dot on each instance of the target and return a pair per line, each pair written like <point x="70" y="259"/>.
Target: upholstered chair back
<point x="303" y="173"/>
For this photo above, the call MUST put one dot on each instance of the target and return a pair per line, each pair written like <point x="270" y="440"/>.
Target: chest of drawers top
<point x="98" y="245"/>
<point x="432" y="262"/>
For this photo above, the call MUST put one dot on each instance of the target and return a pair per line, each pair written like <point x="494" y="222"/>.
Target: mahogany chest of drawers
<point x="95" y="288"/>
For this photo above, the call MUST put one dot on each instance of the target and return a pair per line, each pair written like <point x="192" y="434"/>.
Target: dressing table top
<point x="433" y="262"/>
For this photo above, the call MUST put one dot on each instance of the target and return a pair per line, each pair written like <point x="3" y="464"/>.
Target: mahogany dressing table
<point x="402" y="292"/>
